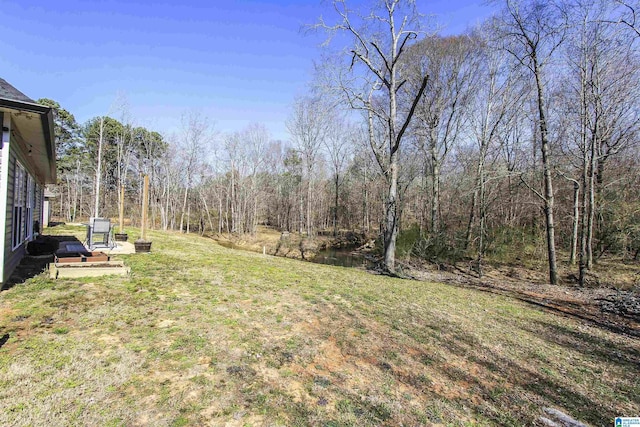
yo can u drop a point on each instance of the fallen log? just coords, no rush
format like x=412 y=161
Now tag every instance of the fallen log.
x=561 y=418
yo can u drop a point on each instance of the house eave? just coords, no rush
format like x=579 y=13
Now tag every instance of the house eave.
x=46 y=121
x=31 y=107
x=48 y=128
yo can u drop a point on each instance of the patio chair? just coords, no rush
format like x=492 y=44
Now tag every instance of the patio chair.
x=100 y=227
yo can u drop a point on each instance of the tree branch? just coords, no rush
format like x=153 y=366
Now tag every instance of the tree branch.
x=526 y=184
x=412 y=110
x=410 y=36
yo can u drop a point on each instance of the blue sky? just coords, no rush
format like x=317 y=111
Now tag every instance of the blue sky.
x=236 y=62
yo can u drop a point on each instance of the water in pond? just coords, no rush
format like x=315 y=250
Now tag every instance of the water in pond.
x=341 y=258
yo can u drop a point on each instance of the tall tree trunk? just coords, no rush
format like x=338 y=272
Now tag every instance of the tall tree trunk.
x=365 y=204
x=435 y=181
x=335 y=205
x=591 y=207
x=188 y=218
x=81 y=199
x=472 y=213
x=384 y=68
x=476 y=190
x=576 y=220
x=254 y=220
x=77 y=192
x=301 y=211
x=234 y=210
x=166 y=203
x=206 y=209
x=583 y=264
x=228 y=206
x=483 y=216
x=121 y=210
x=220 y=220
x=96 y=208
x=435 y=197
x=184 y=208
x=309 y=218
x=391 y=225
x=548 y=182
x=593 y=172
x=68 y=199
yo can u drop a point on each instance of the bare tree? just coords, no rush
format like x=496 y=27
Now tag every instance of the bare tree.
x=196 y=136
x=257 y=138
x=496 y=96
x=235 y=153
x=533 y=31
x=96 y=208
x=307 y=126
x=124 y=155
x=625 y=14
x=373 y=83
x=441 y=113
x=600 y=99
x=338 y=144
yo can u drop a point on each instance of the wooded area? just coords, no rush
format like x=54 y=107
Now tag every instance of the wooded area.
x=521 y=132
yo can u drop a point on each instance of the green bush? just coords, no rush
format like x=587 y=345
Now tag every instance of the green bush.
x=437 y=248
x=509 y=244
x=406 y=241
x=617 y=230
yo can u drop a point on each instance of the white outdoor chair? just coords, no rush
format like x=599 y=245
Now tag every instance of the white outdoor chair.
x=100 y=227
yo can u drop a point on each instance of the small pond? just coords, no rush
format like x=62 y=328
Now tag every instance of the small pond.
x=341 y=257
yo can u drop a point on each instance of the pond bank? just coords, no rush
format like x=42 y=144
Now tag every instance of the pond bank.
x=348 y=249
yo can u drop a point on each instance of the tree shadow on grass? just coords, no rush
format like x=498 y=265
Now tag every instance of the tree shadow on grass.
x=604 y=349
x=4 y=339
x=552 y=391
x=508 y=389
x=511 y=391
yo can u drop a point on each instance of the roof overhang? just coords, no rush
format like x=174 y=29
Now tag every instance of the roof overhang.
x=34 y=129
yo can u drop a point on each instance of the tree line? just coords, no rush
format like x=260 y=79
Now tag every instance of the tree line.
x=522 y=132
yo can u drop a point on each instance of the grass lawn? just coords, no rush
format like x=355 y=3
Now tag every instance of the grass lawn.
x=203 y=335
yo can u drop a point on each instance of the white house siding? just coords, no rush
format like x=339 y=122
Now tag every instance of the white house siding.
x=5 y=121
x=38 y=208
x=12 y=257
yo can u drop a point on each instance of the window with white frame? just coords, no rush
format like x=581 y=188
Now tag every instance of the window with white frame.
x=29 y=205
x=19 y=202
x=37 y=201
x=23 y=204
